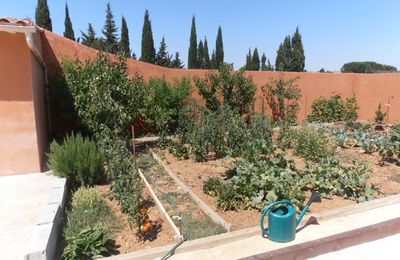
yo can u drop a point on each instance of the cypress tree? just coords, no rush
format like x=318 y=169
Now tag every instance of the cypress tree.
x=255 y=60
x=264 y=62
x=207 y=62
x=213 y=60
x=200 y=55
x=109 y=31
x=269 y=66
x=284 y=57
x=124 y=43
x=162 y=57
x=249 y=65
x=69 y=31
x=219 y=49
x=177 y=62
x=148 y=51
x=42 y=15
x=192 y=55
x=298 y=58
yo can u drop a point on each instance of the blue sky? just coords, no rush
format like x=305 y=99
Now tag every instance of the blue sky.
x=334 y=32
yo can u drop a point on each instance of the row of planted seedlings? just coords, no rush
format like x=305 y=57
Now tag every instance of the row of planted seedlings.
x=191 y=220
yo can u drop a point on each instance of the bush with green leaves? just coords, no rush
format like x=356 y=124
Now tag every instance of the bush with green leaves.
x=309 y=142
x=330 y=178
x=104 y=94
x=178 y=150
x=78 y=159
x=89 y=210
x=212 y=186
x=125 y=178
x=163 y=103
x=90 y=243
x=108 y=101
x=389 y=148
x=227 y=88
x=333 y=109
x=282 y=97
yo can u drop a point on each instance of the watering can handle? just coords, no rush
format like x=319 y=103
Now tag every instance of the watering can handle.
x=265 y=212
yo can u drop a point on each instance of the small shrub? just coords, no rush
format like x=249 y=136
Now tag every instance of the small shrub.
x=379 y=115
x=88 y=244
x=88 y=210
x=178 y=150
x=333 y=109
x=282 y=97
x=77 y=159
x=212 y=186
x=312 y=144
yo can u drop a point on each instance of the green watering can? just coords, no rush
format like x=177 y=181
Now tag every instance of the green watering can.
x=282 y=220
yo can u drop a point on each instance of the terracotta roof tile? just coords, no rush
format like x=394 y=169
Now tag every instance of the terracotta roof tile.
x=7 y=20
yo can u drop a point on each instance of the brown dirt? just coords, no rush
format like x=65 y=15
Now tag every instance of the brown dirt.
x=127 y=239
x=386 y=178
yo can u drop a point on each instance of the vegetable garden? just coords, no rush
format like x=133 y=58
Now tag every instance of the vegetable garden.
x=235 y=160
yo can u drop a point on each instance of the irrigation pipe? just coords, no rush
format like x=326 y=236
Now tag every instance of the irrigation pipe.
x=160 y=206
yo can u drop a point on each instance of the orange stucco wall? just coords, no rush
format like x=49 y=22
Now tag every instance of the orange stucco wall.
x=370 y=89
x=19 y=80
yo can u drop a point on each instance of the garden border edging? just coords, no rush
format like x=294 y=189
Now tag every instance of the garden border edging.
x=47 y=230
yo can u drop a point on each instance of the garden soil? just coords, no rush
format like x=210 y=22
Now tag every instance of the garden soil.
x=194 y=174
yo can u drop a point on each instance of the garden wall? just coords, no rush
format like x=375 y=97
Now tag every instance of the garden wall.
x=23 y=137
x=370 y=89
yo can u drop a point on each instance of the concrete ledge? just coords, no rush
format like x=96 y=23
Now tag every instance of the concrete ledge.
x=333 y=242
x=43 y=243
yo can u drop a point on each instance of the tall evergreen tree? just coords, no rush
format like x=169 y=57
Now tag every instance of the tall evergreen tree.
x=207 y=62
x=269 y=66
x=298 y=58
x=69 y=31
x=213 y=60
x=148 y=51
x=177 y=62
x=124 y=43
x=193 y=54
x=200 y=56
x=264 y=62
x=110 y=40
x=249 y=64
x=42 y=15
x=219 y=49
x=162 y=57
x=284 y=56
x=255 y=60
x=89 y=38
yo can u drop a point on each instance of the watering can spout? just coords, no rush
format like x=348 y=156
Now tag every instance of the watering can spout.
x=315 y=197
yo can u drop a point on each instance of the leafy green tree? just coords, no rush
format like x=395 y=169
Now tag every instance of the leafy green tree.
x=162 y=57
x=298 y=58
x=367 y=67
x=124 y=43
x=69 y=31
x=219 y=49
x=42 y=15
x=255 y=60
x=200 y=56
x=193 y=54
x=177 y=62
x=207 y=62
x=110 y=40
x=263 y=62
x=89 y=38
x=148 y=51
x=249 y=64
x=227 y=87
